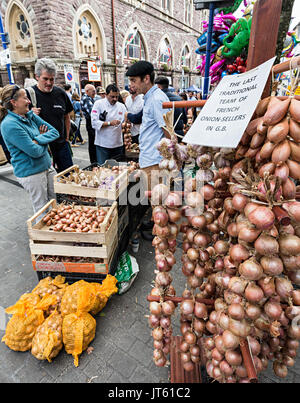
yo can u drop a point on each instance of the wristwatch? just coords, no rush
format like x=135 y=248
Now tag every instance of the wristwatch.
x=108 y=123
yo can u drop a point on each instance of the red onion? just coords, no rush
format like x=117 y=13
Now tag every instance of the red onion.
x=266 y=245
x=239 y=201
x=230 y=341
x=251 y=270
x=238 y=253
x=272 y=266
x=289 y=245
x=284 y=287
x=273 y=310
x=262 y=217
x=254 y=293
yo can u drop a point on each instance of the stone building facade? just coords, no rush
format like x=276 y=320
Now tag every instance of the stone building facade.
x=113 y=33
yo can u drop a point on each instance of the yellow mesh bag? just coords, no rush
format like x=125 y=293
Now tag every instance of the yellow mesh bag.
x=108 y=286
x=25 y=320
x=47 y=341
x=79 y=296
x=49 y=285
x=56 y=286
x=78 y=332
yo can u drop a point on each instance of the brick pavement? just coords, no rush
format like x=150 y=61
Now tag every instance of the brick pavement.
x=123 y=344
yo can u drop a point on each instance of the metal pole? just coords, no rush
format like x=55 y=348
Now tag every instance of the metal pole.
x=4 y=44
x=208 y=49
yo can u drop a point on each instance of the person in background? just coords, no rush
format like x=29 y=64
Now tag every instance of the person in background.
x=68 y=89
x=179 y=113
x=78 y=117
x=107 y=117
x=124 y=94
x=100 y=93
x=199 y=98
x=134 y=104
x=52 y=104
x=27 y=137
x=87 y=104
x=141 y=77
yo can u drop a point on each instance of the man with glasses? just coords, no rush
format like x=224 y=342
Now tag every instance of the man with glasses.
x=53 y=105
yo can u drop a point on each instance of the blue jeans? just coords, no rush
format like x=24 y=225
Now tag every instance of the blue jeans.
x=104 y=154
x=62 y=156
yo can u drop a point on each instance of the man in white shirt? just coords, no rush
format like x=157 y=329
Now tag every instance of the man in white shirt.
x=107 y=117
x=134 y=104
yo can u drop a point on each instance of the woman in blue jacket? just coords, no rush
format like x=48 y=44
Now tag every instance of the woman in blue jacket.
x=27 y=137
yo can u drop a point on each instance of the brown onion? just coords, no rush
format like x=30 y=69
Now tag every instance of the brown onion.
x=254 y=293
x=230 y=341
x=272 y=265
x=239 y=328
x=233 y=358
x=251 y=270
x=239 y=202
x=262 y=217
x=200 y=310
x=267 y=284
x=157 y=334
x=253 y=311
x=237 y=285
x=289 y=189
x=266 y=245
x=280 y=369
x=187 y=307
x=289 y=245
x=248 y=234
x=238 y=253
x=273 y=310
x=236 y=311
x=284 y=287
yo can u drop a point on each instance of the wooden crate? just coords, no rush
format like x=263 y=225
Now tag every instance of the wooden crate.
x=117 y=187
x=102 y=268
x=95 y=245
x=41 y=232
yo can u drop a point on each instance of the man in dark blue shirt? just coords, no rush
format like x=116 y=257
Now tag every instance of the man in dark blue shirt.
x=179 y=113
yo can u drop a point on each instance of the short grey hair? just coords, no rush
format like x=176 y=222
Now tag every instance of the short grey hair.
x=45 y=64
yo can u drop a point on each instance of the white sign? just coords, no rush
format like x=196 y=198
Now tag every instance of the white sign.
x=69 y=73
x=94 y=71
x=226 y=114
x=5 y=57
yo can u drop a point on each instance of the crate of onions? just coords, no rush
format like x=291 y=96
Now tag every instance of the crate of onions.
x=74 y=231
x=101 y=182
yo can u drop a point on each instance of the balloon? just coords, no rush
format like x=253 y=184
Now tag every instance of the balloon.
x=238 y=38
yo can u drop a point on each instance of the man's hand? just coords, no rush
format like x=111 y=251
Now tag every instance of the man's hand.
x=43 y=129
x=115 y=122
x=36 y=111
x=35 y=142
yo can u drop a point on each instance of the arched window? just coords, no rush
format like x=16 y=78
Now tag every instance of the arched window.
x=88 y=36
x=165 y=53
x=134 y=46
x=188 y=9
x=186 y=57
x=21 y=33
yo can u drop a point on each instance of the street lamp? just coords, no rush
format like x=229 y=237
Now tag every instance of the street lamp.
x=211 y=5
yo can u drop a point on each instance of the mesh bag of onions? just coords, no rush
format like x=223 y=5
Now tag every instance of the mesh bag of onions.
x=28 y=315
x=47 y=341
x=78 y=331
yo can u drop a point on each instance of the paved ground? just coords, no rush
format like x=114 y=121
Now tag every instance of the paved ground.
x=123 y=343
